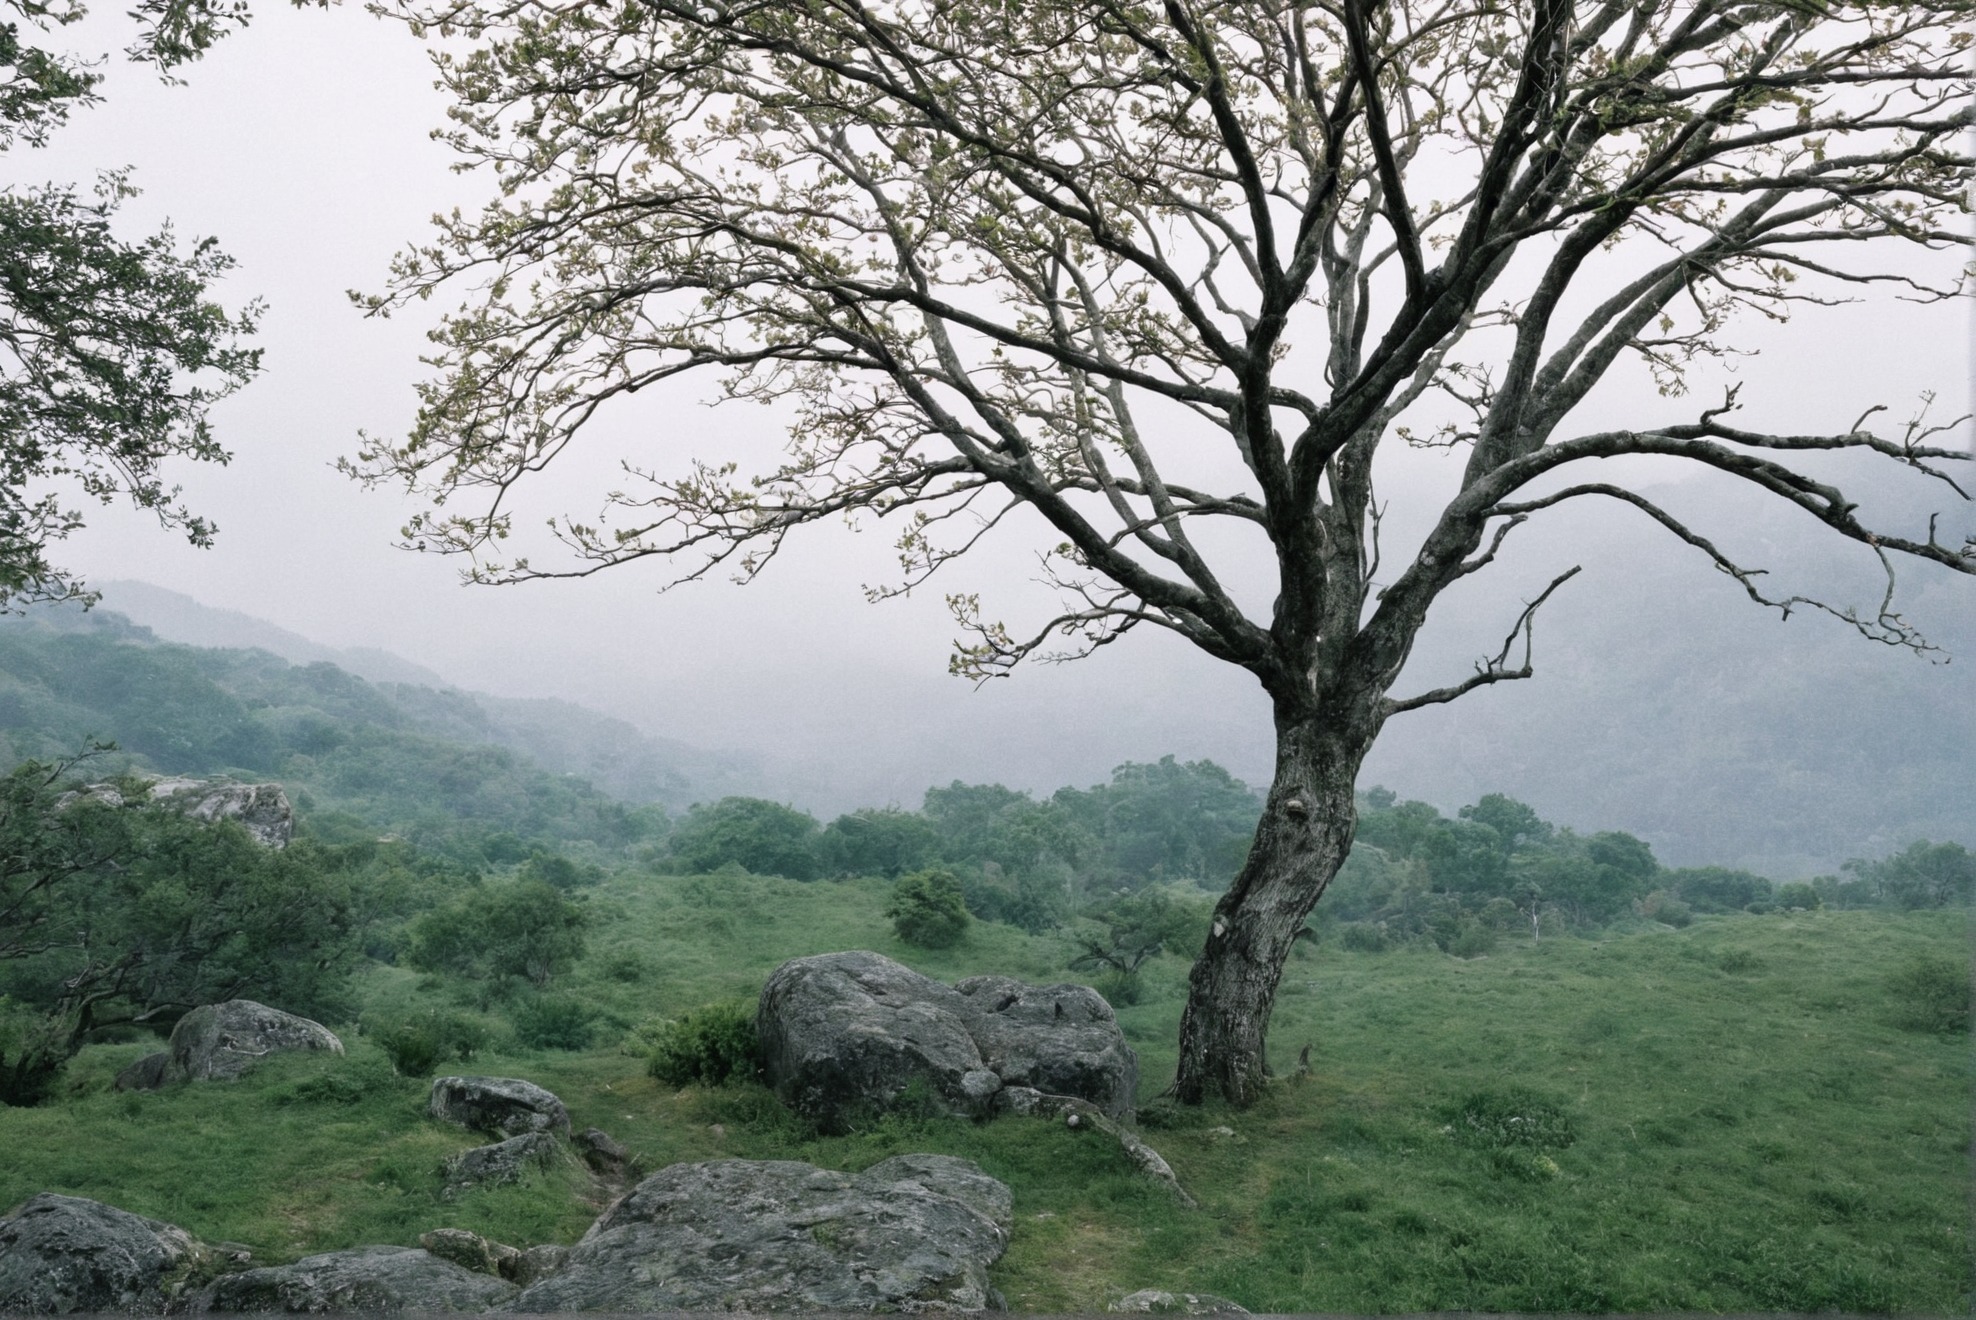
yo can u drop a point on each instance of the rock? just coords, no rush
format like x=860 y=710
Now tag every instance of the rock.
x=602 y=1152
x=260 y=809
x=1152 y=1301
x=1059 y=1039
x=222 y=1041
x=912 y=1233
x=147 y=1074
x=468 y=1250
x=507 y=1105
x=360 y=1279
x=62 y=1253
x=502 y=1162
x=845 y=1034
x=534 y=1264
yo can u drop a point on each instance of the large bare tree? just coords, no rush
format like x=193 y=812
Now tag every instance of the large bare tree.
x=1002 y=255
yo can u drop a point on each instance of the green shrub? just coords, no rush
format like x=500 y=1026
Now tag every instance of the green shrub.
x=1932 y=994
x=1664 y=906
x=554 y=1022
x=1514 y=1116
x=709 y=1045
x=1473 y=940
x=927 y=908
x=1364 y=937
x=417 y=1045
x=1798 y=896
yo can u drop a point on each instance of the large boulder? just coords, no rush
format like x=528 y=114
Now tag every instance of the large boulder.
x=222 y=1041
x=845 y=1034
x=360 y=1279
x=1058 y=1039
x=508 y=1106
x=60 y=1254
x=912 y=1233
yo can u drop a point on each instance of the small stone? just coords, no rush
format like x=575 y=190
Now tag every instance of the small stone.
x=1156 y=1301
x=467 y=1250
x=602 y=1152
x=536 y=1263
x=1071 y=1120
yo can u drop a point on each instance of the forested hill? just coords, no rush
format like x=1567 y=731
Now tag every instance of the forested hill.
x=433 y=764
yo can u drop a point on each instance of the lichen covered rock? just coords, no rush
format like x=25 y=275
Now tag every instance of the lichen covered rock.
x=912 y=1233
x=61 y=1254
x=846 y=1034
x=360 y=1279
x=508 y=1106
x=219 y=1042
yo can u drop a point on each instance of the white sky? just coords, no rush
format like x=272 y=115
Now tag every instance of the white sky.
x=302 y=144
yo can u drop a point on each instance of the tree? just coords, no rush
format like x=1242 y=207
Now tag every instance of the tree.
x=927 y=909
x=111 y=352
x=765 y=837
x=1010 y=265
x=522 y=931
x=113 y=915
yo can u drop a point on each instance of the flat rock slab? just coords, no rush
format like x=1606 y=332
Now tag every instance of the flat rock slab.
x=845 y=1034
x=1155 y=1301
x=60 y=1254
x=361 y=1279
x=508 y=1106
x=219 y=1042
x=912 y=1233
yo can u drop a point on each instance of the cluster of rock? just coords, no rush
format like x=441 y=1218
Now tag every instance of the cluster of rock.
x=914 y=1233
x=262 y=810
x=844 y=1036
x=219 y=1042
x=847 y=1034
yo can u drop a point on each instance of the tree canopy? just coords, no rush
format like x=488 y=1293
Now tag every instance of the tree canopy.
x=1169 y=279
x=112 y=352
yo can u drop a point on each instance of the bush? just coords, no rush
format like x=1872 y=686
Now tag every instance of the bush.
x=1364 y=937
x=554 y=1022
x=524 y=931
x=1663 y=906
x=1932 y=994
x=927 y=908
x=764 y=837
x=1473 y=941
x=1798 y=896
x=708 y=1045
x=417 y=1045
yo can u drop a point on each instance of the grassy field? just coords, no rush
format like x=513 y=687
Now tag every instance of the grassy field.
x=1722 y=1118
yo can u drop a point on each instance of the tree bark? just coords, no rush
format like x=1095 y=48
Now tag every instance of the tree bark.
x=1303 y=838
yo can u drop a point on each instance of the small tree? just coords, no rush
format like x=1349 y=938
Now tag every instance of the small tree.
x=523 y=931
x=928 y=909
x=766 y=837
x=1019 y=265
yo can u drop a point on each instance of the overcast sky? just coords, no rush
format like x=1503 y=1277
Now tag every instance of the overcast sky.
x=302 y=144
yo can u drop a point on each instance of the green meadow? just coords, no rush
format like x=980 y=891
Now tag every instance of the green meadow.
x=1739 y=1115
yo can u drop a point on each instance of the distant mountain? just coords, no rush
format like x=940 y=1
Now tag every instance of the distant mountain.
x=562 y=737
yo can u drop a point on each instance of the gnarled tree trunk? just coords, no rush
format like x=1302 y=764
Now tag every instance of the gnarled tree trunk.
x=1303 y=838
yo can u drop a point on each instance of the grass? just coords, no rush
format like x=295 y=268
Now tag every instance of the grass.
x=1737 y=1116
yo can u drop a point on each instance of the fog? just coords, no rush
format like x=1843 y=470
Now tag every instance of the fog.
x=302 y=144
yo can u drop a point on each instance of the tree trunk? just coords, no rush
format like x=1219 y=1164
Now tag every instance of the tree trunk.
x=1301 y=841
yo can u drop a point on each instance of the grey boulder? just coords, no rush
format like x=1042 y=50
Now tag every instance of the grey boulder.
x=505 y=1105
x=219 y=1042
x=361 y=1279
x=846 y=1034
x=912 y=1233
x=503 y=1162
x=147 y=1074
x=60 y=1254
x=468 y=1250
x=1058 y=1039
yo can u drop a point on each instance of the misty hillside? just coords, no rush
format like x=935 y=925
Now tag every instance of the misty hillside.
x=560 y=736
x=358 y=757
